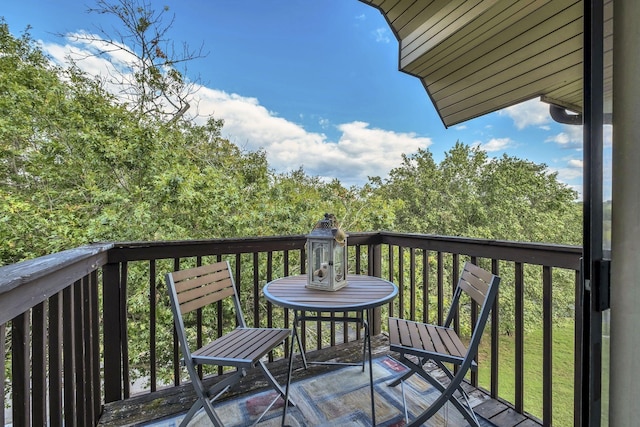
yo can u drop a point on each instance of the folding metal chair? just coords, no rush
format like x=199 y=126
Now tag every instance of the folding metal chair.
x=242 y=348
x=441 y=344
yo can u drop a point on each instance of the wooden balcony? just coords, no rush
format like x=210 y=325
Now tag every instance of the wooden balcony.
x=72 y=323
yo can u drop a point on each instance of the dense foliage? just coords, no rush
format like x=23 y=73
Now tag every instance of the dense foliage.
x=470 y=194
x=76 y=166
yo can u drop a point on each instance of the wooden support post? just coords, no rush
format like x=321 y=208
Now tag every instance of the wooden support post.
x=112 y=345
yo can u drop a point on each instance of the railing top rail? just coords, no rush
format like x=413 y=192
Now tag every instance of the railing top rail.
x=27 y=283
x=137 y=251
x=14 y=275
x=561 y=256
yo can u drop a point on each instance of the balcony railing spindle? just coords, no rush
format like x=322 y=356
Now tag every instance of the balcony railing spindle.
x=152 y=325
x=440 y=288
x=547 y=343
x=20 y=402
x=519 y=337
x=55 y=360
x=474 y=318
x=495 y=335
x=68 y=356
x=425 y=286
x=3 y=337
x=412 y=283
x=38 y=364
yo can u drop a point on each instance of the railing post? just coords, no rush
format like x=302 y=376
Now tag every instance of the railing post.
x=39 y=364
x=112 y=344
x=3 y=335
x=69 y=356
x=20 y=370
x=376 y=260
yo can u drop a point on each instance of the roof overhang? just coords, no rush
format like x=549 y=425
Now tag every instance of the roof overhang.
x=476 y=57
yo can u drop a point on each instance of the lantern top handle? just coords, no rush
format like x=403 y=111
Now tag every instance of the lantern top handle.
x=324 y=226
x=329 y=228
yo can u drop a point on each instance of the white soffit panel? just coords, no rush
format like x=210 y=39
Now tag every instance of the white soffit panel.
x=478 y=56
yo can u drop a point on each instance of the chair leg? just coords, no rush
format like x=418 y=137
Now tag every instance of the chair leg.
x=367 y=341
x=267 y=374
x=296 y=322
x=294 y=338
x=401 y=378
x=463 y=393
x=445 y=396
x=266 y=410
x=197 y=406
x=206 y=397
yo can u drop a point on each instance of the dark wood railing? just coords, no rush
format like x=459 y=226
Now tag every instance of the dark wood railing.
x=50 y=316
x=68 y=320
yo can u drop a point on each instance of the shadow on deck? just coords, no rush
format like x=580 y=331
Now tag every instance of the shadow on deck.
x=171 y=401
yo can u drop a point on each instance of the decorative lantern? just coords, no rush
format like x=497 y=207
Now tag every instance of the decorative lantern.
x=327 y=255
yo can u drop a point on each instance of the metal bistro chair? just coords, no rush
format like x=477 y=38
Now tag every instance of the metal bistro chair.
x=242 y=348
x=441 y=344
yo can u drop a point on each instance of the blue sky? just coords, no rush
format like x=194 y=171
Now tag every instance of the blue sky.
x=315 y=84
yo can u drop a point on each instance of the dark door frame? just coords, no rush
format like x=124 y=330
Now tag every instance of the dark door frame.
x=595 y=268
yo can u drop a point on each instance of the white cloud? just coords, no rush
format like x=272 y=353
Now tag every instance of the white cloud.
x=528 y=113
x=567 y=174
x=575 y=163
x=113 y=65
x=570 y=172
x=359 y=152
x=607 y=135
x=382 y=35
x=495 y=144
x=570 y=137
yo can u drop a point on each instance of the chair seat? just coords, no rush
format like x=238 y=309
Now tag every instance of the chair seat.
x=241 y=347
x=420 y=339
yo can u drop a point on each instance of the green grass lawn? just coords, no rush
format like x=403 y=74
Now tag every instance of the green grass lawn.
x=562 y=366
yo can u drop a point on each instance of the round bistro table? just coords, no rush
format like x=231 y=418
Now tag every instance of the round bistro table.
x=360 y=296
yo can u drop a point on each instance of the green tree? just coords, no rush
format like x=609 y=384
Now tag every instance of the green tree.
x=468 y=194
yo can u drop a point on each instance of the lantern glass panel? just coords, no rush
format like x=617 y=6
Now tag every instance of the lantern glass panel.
x=320 y=257
x=339 y=263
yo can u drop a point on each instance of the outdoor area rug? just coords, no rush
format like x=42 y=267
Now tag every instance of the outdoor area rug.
x=340 y=398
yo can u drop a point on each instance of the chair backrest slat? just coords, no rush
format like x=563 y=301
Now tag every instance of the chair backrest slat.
x=221 y=278
x=486 y=284
x=188 y=306
x=197 y=287
x=197 y=271
x=474 y=287
x=478 y=284
x=481 y=273
x=206 y=287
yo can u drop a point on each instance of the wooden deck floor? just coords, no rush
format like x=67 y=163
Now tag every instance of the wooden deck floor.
x=175 y=400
